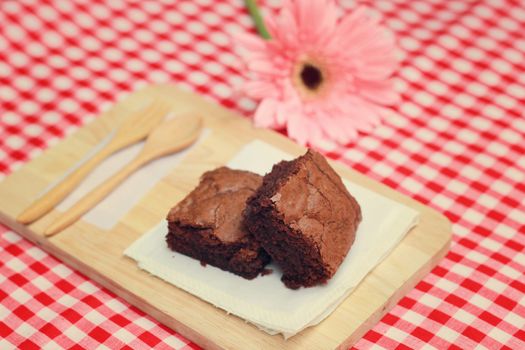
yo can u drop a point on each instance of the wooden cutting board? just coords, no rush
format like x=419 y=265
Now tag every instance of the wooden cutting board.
x=98 y=253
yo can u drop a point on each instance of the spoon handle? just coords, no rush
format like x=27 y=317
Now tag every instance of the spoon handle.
x=56 y=194
x=94 y=197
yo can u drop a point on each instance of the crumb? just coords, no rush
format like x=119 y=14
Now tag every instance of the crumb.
x=266 y=272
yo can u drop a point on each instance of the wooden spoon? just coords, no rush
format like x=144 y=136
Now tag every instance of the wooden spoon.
x=167 y=138
x=132 y=128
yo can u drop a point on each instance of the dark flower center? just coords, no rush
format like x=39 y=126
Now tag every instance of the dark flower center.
x=311 y=76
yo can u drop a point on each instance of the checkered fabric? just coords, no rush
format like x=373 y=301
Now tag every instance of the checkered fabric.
x=455 y=143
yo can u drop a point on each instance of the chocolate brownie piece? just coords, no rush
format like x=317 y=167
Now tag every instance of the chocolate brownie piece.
x=207 y=224
x=304 y=217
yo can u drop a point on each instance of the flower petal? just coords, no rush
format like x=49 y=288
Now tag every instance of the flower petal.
x=250 y=42
x=265 y=114
x=333 y=127
x=328 y=21
x=315 y=134
x=264 y=67
x=306 y=16
x=260 y=89
x=352 y=25
x=297 y=129
x=284 y=109
x=349 y=127
x=374 y=73
x=359 y=113
x=381 y=92
x=361 y=35
x=284 y=30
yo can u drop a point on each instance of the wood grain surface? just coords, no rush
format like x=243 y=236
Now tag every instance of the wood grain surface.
x=98 y=253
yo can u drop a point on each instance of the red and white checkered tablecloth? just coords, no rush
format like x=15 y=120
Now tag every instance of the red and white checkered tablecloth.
x=456 y=143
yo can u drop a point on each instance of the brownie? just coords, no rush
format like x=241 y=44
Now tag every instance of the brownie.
x=207 y=225
x=304 y=217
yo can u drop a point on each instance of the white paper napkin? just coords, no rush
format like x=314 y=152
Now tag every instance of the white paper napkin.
x=265 y=301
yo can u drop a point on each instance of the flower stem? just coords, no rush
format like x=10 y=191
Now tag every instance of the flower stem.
x=256 y=16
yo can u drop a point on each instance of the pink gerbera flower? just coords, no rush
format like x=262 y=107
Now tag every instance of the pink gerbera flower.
x=321 y=78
